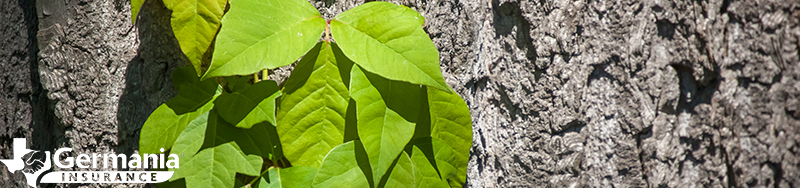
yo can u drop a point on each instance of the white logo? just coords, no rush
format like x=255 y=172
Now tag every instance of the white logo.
x=33 y=163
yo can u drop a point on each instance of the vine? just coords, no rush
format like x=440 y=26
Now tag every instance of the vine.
x=369 y=110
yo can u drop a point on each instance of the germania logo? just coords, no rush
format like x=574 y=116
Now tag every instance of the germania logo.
x=34 y=163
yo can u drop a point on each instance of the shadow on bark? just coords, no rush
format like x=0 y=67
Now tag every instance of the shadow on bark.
x=148 y=80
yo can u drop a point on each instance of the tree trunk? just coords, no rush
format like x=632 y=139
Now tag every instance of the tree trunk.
x=562 y=93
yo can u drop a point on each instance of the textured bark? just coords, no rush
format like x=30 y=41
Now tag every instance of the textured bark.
x=562 y=93
x=20 y=97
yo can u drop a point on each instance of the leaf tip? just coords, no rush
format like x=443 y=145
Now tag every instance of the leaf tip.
x=136 y=5
x=441 y=86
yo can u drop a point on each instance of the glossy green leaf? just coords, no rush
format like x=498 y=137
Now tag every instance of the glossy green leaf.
x=451 y=122
x=192 y=92
x=386 y=111
x=168 y=120
x=220 y=157
x=261 y=139
x=388 y=40
x=208 y=131
x=248 y=105
x=426 y=174
x=351 y=122
x=264 y=34
x=190 y=141
x=403 y=173
x=299 y=176
x=311 y=119
x=341 y=168
x=136 y=5
x=217 y=166
x=237 y=83
x=434 y=161
x=195 y=23
x=262 y=183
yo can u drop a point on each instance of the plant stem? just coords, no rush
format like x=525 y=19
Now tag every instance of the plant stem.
x=264 y=74
x=259 y=176
x=328 y=31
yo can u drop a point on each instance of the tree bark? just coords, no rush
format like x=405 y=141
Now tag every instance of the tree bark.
x=562 y=93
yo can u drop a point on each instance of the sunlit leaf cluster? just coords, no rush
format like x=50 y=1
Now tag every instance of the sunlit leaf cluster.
x=371 y=109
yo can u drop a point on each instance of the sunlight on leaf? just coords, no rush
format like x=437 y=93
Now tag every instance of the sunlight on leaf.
x=168 y=120
x=388 y=40
x=314 y=104
x=195 y=23
x=264 y=34
x=387 y=112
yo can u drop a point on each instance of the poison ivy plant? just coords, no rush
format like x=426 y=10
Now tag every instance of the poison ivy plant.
x=448 y=114
x=247 y=105
x=315 y=104
x=425 y=173
x=403 y=173
x=369 y=110
x=300 y=176
x=194 y=23
x=388 y=40
x=344 y=165
x=435 y=160
x=168 y=120
x=386 y=113
x=264 y=34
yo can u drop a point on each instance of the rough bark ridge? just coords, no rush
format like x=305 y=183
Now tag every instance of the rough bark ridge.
x=563 y=93
x=635 y=94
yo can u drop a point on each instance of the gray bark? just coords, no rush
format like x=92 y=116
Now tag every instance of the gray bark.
x=562 y=93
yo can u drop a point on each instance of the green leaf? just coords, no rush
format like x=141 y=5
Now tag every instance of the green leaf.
x=314 y=104
x=238 y=183
x=388 y=40
x=299 y=176
x=172 y=184
x=192 y=92
x=387 y=112
x=341 y=167
x=247 y=105
x=208 y=131
x=264 y=34
x=426 y=173
x=351 y=122
x=195 y=23
x=234 y=83
x=262 y=183
x=136 y=5
x=403 y=173
x=261 y=139
x=435 y=160
x=451 y=122
x=189 y=142
x=217 y=166
x=168 y=120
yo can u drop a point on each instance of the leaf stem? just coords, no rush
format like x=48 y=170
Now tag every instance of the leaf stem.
x=264 y=74
x=328 y=31
x=259 y=176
